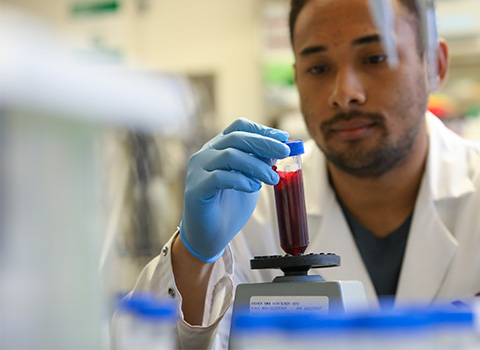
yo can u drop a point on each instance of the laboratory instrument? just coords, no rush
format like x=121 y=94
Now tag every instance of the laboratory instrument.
x=429 y=38
x=143 y=321
x=412 y=327
x=296 y=291
x=383 y=16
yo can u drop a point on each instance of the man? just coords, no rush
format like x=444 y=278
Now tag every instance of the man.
x=392 y=191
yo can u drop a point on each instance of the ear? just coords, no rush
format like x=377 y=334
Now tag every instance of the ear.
x=442 y=62
x=295 y=73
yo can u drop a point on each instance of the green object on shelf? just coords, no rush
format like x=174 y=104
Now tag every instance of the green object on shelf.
x=279 y=74
x=474 y=111
x=94 y=8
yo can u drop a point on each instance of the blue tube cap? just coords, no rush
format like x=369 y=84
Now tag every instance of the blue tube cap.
x=296 y=147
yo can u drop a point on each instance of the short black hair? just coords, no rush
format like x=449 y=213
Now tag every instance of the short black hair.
x=410 y=5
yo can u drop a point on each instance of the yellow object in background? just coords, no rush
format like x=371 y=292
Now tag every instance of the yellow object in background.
x=442 y=106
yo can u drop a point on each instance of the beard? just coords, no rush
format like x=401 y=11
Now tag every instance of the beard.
x=361 y=161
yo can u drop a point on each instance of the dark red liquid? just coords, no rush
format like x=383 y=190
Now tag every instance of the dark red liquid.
x=291 y=212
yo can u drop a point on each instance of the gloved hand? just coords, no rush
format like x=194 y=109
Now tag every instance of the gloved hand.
x=223 y=181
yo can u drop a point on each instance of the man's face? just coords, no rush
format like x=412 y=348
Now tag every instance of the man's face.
x=364 y=115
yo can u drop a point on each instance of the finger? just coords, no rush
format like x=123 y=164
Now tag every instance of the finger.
x=243 y=124
x=233 y=159
x=258 y=145
x=223 y=180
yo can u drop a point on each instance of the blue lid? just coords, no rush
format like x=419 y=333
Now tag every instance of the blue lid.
x=405 y=320
x=157 y=311
x=296 y=147
x=147 y=305
x=134 y=301
x=287 y=321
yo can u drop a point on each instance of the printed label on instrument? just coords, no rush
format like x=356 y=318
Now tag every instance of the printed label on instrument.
x=289 y=303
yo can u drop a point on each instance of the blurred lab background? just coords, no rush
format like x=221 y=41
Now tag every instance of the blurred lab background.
x=102 y=102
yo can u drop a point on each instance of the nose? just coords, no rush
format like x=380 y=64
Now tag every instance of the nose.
x=348 y=91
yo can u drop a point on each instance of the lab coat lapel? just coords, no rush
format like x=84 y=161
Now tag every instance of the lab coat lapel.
x=431 y=247
x=429 y=253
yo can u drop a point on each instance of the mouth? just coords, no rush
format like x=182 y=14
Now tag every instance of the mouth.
x=352 y=129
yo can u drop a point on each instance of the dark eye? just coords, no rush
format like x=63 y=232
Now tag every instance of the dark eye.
x=318 y=70
x=376 y=59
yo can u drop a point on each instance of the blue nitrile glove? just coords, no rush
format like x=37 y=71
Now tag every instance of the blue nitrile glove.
x=223 y=181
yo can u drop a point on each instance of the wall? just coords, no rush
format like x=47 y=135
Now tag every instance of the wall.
x=210 y=36
x=218 y=37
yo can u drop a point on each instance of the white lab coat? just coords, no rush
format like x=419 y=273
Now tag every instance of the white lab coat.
x=442 y=256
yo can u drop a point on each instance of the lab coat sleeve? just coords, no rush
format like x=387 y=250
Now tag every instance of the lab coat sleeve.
x=157 y=277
